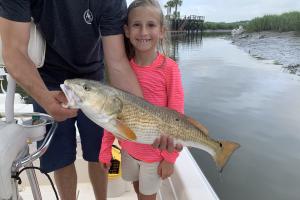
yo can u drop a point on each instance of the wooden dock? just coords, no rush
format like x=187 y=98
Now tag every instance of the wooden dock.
x=177 y=33
x=186 y=25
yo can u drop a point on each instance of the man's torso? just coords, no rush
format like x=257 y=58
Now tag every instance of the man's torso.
x=72 y=29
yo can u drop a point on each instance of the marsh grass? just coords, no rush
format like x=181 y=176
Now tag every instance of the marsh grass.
x=289 y=21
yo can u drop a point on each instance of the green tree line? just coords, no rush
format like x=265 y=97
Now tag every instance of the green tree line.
x=223 y=25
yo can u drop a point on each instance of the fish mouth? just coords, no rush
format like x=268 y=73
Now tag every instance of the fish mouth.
x=73 y=100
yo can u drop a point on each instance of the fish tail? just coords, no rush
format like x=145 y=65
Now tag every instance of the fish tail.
x=223 y=155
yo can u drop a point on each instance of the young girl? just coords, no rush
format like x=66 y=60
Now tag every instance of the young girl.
x=160 y=80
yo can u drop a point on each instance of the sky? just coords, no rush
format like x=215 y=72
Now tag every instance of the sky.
x=234 y=10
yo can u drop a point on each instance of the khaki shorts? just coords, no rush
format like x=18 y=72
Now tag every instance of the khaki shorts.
x=146 y=173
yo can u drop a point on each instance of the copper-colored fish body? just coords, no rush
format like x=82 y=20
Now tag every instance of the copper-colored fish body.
x=132 y=118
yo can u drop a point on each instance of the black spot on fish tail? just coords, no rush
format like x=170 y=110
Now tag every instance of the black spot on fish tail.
x=221 y=145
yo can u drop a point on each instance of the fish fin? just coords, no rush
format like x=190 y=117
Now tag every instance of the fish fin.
x=198 y=125
x=119 y=136
x=223 y=155
x=124 y=129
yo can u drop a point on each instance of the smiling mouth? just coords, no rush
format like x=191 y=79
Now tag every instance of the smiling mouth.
x=143 y=40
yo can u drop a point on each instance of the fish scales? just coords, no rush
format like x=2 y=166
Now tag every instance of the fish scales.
x=159 y=119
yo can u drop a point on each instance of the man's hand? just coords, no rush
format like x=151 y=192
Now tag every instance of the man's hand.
x=165 y=169
x=54 y=106
x=166 y=143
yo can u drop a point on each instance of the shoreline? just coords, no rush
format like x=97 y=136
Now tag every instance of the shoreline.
x=283 y=48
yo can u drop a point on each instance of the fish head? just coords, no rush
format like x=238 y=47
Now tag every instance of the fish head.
x=91 y=97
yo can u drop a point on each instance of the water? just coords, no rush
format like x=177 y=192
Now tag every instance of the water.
x=249 y=101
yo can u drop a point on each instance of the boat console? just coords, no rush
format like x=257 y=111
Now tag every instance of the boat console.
x=19 y=130
x=15 y=138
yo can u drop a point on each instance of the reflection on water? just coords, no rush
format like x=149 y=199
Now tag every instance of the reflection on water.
x=249 y=101
x=186 y=40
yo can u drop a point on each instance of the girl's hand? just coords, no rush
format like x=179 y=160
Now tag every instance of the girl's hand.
x=106 y=166
x=165 y=142
x=165 y=169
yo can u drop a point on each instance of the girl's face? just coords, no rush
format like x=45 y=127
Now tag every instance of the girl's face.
x=144 y=29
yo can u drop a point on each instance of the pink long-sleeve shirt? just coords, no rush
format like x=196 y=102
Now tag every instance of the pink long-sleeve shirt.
x=161 y=85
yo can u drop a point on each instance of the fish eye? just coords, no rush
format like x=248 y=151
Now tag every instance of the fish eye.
x=177 y=119
x=86 y=87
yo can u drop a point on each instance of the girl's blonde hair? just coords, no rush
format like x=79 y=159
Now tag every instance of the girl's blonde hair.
x=145 y=3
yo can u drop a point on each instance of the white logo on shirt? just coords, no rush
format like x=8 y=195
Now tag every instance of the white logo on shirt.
x=88 y=16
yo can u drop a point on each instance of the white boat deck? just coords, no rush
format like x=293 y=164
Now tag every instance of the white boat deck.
x=117 y=188
x=84 y=192
x=184 y=184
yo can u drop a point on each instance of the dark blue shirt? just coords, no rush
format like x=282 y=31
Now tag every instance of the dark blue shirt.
x=72 y=29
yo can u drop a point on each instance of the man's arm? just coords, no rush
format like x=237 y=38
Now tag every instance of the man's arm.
x=15 y=39
x=119 y=70
x=122 y=76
